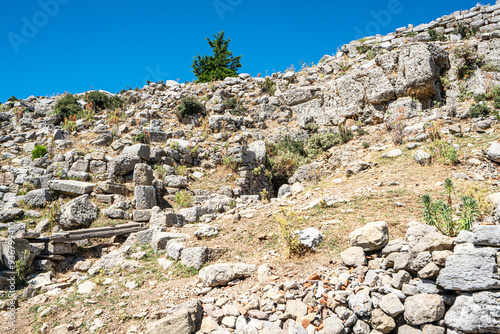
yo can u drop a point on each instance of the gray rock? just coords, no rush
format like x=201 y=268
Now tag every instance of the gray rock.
x=361 y=303
x=332 y=325
x=191 y=215
x=159 y=240
x=361 y=327
x=143 y=175
x=175 y=181
x=487 y=235
x=406 y=329
x=310 y=237
x=141 y=215
x=391 y=304
x=37 y=197
x=283 y=190
x=221 y=274
x=424 y=308
x=123 y=164
x=353 y=257
x=115 y=213
x=174 y=250
x=145 y=197
x=296 y=308
x=258 y=148
x=194 y=257
x=372 y=236
x=475 y=313
x=400 y=278
x=182 y=319
x=140 y=150
x=393 y=153
x=78 y=213
x=470 y=268
x=422 y=157
x=10 y=214
x=71 y=187
x=493 y=152
x=381 y=321
x=207 y=231
x=109 y=187
x=423 y=237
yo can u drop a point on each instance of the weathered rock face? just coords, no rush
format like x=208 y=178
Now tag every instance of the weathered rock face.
x=143 y=175
x=475 y=313
x=71 y=187
x=422 y=237
x=78 y=213
x=470 y=268
x=182 y=319
x=145 y=197
x=494 y=152
x=372 y=236
x=220 y=274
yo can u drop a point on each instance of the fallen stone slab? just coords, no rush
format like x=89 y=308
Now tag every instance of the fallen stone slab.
x=71 y=187
x=182 y=319
x=10 y=214
x=487 y=235
x=223 y=273
x=109 y=187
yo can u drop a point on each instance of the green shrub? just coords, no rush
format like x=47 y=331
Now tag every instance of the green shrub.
x=67 y=106
x=480 y=97
x=285 y=157
x=235 y=106
x=362 y=48
x=411 y=34
x=319 y=142
x=268 y=86
x=97 y=100
x=312 y=127
x=490 y=68
x=496 y=102
x=143 y=137
x=435 y=36
x=440 y=214
x=183 y=199
x=38 y=152
x=231 y=163
x=479 y=110
x=189 y=106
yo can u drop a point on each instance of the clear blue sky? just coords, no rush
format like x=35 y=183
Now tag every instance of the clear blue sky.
x=53 y=46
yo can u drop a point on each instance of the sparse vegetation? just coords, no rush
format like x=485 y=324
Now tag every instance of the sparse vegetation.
x=435 y=36
x=189 y=106
x=293 y=247
x=465 y=31
x=183 y=199
x=38 y=152
x=235 y=106
x=267 y=86
x=470 y=61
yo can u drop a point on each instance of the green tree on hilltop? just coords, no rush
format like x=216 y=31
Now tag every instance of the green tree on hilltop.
x=220 y=65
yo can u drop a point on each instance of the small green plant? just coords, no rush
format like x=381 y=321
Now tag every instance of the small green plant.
x=435 y=36
x=183 y=199
x=38 y=152
x=53 y=213
x=69 y=125
x=231 y=163
x=463 y=94
x=292 y=243
x=264 y=195
x=440 y=214
x=189 y=106
x=257 y=170
x=345 y=134
x=445 y=151
x=371 y=54
x=161 y=172
x=181 y=170
x=365 y=144
x=67 y=106
x=143 y=137
x=22 y=267
x=411 y=34
x=362 y=49
x=490 y=68
x=311 y=127
x=267 y=86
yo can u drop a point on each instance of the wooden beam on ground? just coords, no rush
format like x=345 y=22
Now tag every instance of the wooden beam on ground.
x=101 y=232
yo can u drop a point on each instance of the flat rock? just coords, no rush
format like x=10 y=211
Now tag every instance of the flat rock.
x=223 y=273
x=470 y=268
x=487 y=235
x=71 y=187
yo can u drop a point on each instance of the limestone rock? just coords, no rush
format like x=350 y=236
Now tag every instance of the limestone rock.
x=182 y=319
x=221 y=274
x=372 y=236
x=78 y=213
x=353 y=256
x=424 y=308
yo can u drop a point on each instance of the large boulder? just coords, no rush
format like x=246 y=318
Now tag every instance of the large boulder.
x=372 y=236
x=182 y=319
x=424 y=308
x=493 y=152
x=223 y=273
x=470 y=268
x=475 y=313
x=78 y=213
x=123 y=164
x=37 y=197
x=423 y=237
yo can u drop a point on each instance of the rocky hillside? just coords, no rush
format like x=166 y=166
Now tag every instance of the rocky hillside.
x=295 y=203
